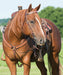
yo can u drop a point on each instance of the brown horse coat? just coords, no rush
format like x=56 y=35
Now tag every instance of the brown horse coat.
x=54 y=49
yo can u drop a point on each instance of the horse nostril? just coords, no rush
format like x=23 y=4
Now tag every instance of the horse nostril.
x=41 y=41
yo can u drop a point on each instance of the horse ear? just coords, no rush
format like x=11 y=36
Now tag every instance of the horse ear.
x=37 y=8
x=30 y=8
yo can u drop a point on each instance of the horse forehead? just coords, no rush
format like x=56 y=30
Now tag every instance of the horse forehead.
x=32 y=16
x=32 y=12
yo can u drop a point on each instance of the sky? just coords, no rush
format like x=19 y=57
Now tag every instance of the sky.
x=7 y=7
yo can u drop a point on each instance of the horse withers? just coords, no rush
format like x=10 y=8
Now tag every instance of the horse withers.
x=25 y=24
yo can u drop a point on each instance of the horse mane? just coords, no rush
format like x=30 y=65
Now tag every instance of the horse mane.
x=16 y=23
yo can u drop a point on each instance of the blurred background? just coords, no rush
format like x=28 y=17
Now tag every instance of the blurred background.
x=50 y=9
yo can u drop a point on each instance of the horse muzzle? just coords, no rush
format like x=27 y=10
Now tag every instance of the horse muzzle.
x=40 y=59
x=40 y=42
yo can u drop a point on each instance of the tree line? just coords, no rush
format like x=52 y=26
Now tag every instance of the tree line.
x=55 y=15
x=3 y=22
x=51 y=13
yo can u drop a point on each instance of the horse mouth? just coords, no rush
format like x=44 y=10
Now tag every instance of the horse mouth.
x=40 y=44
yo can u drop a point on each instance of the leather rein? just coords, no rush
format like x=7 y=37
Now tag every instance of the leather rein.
x=14 y=47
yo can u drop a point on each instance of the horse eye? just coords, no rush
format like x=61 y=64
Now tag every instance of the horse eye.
x=32 y=22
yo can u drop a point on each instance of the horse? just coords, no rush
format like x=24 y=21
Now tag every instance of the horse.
x=51 y=46
x=22 y=34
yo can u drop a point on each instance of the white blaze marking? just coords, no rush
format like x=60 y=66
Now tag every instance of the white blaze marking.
x=40 y=28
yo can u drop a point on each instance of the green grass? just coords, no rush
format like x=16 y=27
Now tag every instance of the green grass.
x=4 y=70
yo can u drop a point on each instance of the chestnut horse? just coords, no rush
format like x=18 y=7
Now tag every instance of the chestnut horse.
x=53 y=47
x=26 y=24
x=16 y=44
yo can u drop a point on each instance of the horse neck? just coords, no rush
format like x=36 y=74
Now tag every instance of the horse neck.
x=14 y=29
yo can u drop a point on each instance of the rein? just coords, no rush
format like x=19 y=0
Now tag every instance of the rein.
x=14 y=47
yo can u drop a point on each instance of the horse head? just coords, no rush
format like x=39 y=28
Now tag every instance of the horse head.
x=32 y=26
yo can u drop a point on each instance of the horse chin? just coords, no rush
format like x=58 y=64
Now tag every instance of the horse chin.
x=38 y=44
x=40 y=59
